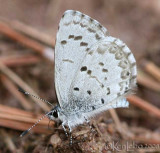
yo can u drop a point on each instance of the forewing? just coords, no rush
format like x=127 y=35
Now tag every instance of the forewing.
x=77 y=33
x=106 y=75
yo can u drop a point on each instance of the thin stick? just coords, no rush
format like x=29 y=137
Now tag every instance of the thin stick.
x=11 y=33
x=148 y=81
x=19 y=60
x=13 y=89
x=19 y=112
x=19 y=119
x=22 y=118
x=144 y=105
x=145 y=140
x=115 y=117
x=23 y=85
x=8 y=140
x=22 y=126
x=152 y=69
x=30 y=31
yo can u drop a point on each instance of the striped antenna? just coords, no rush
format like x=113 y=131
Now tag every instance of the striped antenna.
x=25 y=132
x=27 y=93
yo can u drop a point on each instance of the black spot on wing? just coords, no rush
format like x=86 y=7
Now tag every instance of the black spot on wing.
x=89 y=92
x=63 y=42
x=108 y=91
x=93 y=108
x=78 y=38
x=83 y=44
x=84 y=68
x=89 y=72
x=97 y=37
x=71 y=36
x=102 y=100
x=91 y=30
x=104 y=70
x=101 y=63
x=87 y=49
x=76 y=89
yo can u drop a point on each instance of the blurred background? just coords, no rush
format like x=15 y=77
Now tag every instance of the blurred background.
x=27 y=38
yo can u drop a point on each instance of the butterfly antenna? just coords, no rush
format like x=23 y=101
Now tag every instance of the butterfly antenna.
x=27 y=93
x=25 y=132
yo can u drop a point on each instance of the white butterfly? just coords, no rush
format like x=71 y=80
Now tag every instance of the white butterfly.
x=93 y=71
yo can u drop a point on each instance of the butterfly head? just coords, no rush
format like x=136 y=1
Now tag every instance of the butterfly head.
x=54 y=113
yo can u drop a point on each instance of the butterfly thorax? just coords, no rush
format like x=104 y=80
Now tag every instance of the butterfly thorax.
x=67 y=116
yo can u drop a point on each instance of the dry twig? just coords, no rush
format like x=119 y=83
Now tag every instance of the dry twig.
x=144 y=105
x=13 y=89
x=30 y=31
x=42 y=50
x=21 y=120
x=8 y=141
x=15 y=78
x=148 y=82
x=19 y=60
x=152 y=69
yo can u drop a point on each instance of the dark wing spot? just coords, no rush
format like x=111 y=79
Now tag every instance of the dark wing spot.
x=82 y=25
x=63 y=15
x=83 y=44
x=126 y=90
x=128 y=54
x=74 y=13
x=102 y=100
x=124 y=74
x=87 y=49
x=93 y=108
x=108 y=89
x=67 y=60
x=118 y=94
x=100 y=26
x=76 y=22
x=78 y=38
x=133 y=64
x=91 y=30
x=84 y=68
x=89 y=72
x=63 y=42
x=134 y=77
x=71 y=36
x=105 y=78
x=76 y=89
x=82 y=16
x=91 y=20
x=90 y=53
x=101 y=64
x=118 y=55
x=89 y=92
x=104 y=70
x=97 y=37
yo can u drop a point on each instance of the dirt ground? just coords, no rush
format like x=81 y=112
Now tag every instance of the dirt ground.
x=136 y=22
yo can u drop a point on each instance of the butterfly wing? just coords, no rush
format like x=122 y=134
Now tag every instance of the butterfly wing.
x=77 y=33
x=107 y=74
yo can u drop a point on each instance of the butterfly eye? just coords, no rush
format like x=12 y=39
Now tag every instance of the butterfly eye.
x=55 y=114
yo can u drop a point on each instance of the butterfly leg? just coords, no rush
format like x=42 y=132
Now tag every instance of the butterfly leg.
x=87 y=121
x=70 y=132
x=64 y=129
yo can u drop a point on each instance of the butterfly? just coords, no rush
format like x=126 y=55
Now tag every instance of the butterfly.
x=94 y=71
